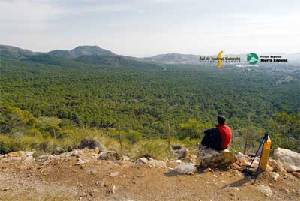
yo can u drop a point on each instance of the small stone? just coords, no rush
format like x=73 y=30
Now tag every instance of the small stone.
x=102 y=184
x=235 y=188
x=142 y=161
x=114 y=174
x=157 y=163
x=111 y=189
x=235 y=166
x=266 y=190
x=275 y=176
x=76 y=153
x=237 y=173
x=5 y=189
x=92 y=172
x=80 y=162
x=125 y=158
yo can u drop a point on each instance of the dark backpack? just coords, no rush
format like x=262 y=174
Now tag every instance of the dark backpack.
x=212 y=139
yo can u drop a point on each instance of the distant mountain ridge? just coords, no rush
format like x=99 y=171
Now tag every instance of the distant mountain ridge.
x=98 y=55
x=82 y=51
x=14 y=52
x=93 y=55
x=11 y=51
x=174 y=58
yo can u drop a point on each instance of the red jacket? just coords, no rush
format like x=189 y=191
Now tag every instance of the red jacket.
x=225 y=134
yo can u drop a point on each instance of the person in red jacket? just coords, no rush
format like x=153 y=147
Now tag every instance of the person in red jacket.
x=224 y=131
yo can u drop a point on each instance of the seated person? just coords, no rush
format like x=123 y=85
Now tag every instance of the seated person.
x=217 y=138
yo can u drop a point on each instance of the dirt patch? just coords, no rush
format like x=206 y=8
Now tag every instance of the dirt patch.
x=65 y=179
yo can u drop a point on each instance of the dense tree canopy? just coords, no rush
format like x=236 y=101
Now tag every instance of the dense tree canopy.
x=147 y=100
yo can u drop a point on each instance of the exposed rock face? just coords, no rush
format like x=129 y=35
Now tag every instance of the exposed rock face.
x=91 y=144
x=289 y=159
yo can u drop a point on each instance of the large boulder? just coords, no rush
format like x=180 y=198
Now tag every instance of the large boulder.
x=185 y=168
x=212 y=158
x=289 y=159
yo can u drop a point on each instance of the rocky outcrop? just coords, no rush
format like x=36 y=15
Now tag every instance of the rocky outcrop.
x=289 y=159
x=213 y=158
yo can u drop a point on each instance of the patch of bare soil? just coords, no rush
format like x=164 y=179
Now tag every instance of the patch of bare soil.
x=73 y=178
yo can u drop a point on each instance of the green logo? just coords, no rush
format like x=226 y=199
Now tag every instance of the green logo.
x=252 y=58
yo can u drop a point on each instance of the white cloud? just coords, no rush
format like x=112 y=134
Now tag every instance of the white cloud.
x=26 y=11
x=146 y=27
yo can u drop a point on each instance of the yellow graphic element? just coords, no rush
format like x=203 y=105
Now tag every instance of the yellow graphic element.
x=220 y=59
x=265 y=155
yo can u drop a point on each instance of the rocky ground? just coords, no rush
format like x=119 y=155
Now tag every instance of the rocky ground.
x=80 y=175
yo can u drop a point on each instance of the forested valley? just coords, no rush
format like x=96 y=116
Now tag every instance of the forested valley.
x=50 y=103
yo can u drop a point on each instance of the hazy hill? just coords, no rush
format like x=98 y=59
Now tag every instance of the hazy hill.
x=99 y=56
x=77 y=57
x=177 y=58
x=82 y=51
x=174 y=58
x=14 y=52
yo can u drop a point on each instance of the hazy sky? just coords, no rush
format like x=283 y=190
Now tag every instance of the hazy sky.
x=149 y=27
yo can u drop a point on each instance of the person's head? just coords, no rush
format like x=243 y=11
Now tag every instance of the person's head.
x=221 y=119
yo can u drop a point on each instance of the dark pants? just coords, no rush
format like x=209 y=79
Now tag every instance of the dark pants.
x=212 y=139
